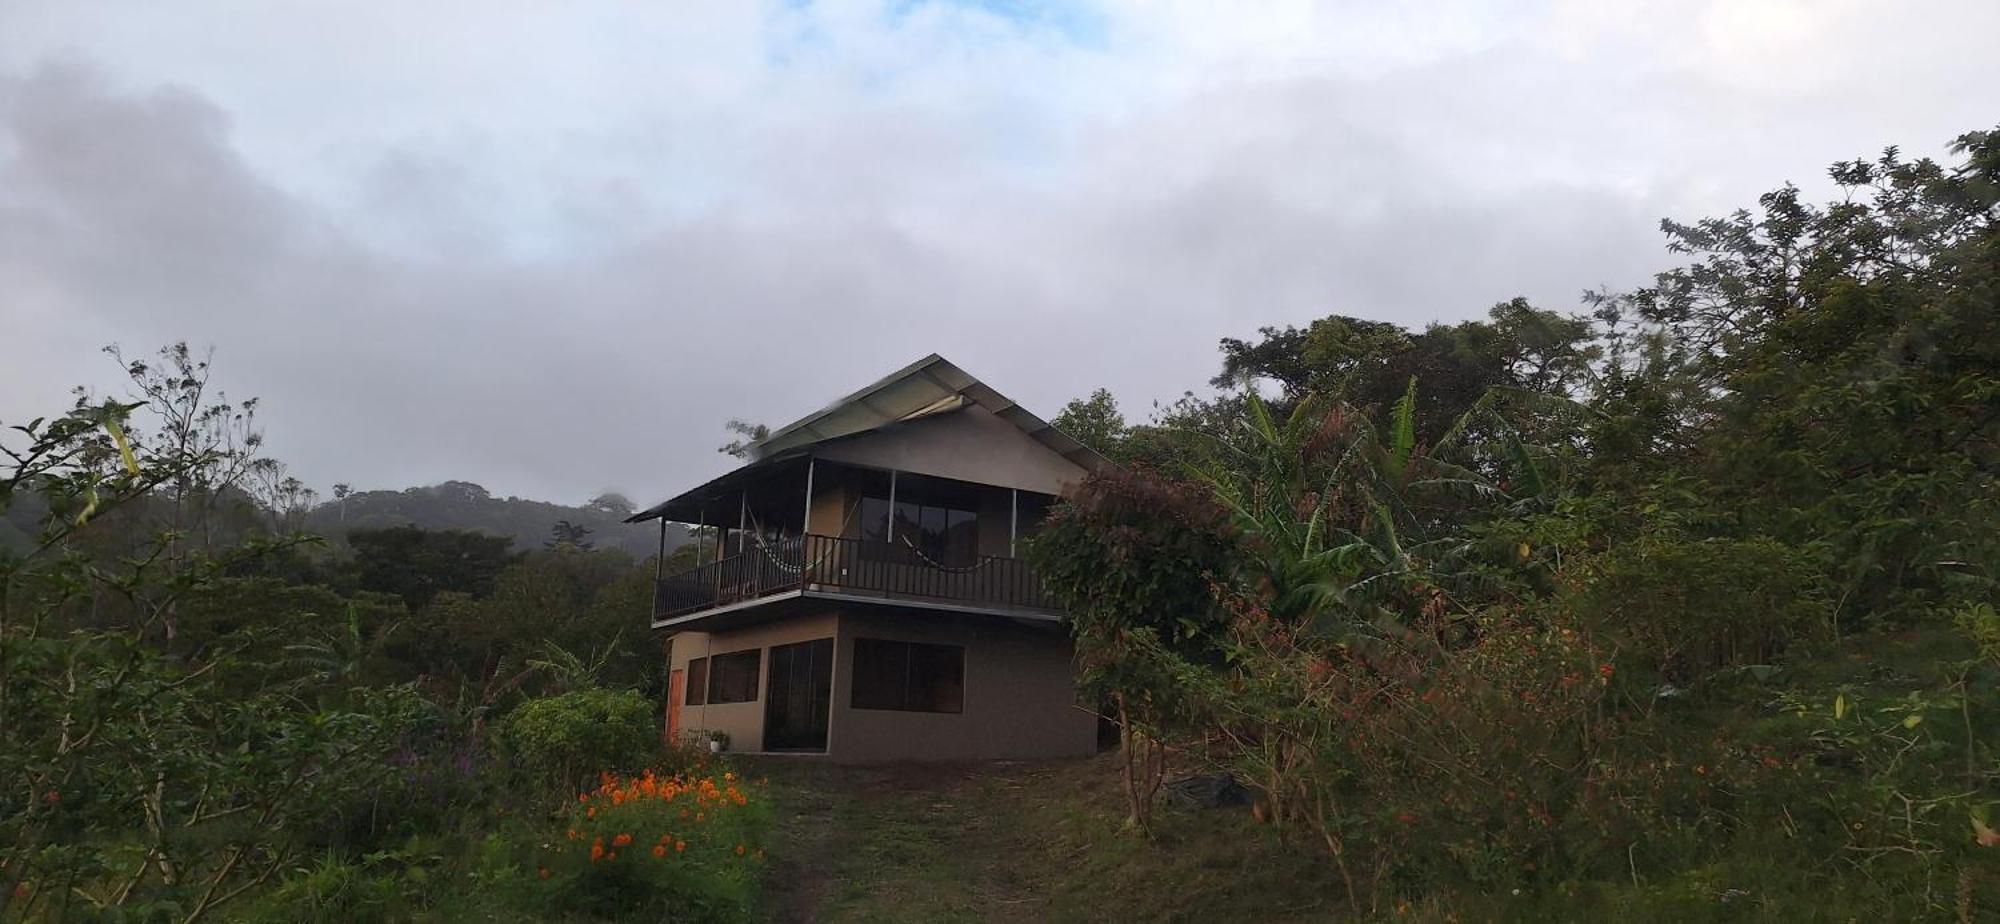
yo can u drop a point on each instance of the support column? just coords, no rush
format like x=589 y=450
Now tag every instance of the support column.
x=660 y=565
x=806 y=522
x=1013 y=520
x=892 y=507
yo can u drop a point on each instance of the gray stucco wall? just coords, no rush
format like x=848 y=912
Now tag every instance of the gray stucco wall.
x=1020 y=695
x=969 y=445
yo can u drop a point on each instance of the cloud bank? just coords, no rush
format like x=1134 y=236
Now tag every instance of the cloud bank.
x=552 y=249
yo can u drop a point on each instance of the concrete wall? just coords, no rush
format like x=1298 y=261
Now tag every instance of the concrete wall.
x=833 y=510
x=744 y=722
x=969 y=445
x=1020 y=695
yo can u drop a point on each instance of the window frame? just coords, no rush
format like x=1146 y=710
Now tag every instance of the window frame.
x=905 y=694
x=694 y=690
x=915 y=536
x=755 y=656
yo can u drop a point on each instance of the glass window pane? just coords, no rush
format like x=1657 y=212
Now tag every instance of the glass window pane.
x=907 y=516
x=961 y=539
x=908 y=676
x=874 y=519
x=733 y=677
x=697 y=682
x=937 y=678
x=933 y=532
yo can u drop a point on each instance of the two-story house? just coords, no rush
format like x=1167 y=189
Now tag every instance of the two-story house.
x=861 y=592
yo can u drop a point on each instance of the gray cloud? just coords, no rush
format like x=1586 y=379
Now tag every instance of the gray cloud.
x=553 y=254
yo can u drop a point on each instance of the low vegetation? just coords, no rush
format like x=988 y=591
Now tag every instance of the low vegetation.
x=1677 y=612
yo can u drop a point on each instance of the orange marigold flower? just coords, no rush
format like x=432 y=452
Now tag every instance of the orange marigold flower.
x=739 y=850
x=590 y=812
x=680 y=846
x=622 y=840
x=596 y=852
x=660 y=850
x=583 y=797
x=613 y=855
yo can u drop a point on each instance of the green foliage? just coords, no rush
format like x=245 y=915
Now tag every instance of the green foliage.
x=1524 y=606
x=1095 y=422
x=1368 y=364
x=1449 y=752
x=418 y=564
x=580 y=600
x=570 y=737
x=1687 y=606
x=1838 y=368
x=1132 y=556
x=189 y=727
x=381 y=887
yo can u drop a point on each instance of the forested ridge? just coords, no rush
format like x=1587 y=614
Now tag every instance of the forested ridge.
x=1680 y=606
x=449 y=505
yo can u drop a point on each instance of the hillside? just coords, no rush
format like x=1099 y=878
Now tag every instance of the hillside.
x=464 y=505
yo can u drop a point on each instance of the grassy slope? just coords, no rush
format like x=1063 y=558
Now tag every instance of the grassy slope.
x=1017 y=842
x=1043 y=841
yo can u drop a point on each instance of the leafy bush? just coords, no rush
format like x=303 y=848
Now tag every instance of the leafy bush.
x=1691 y=606
x=1479 y=742
x=688 y=848
x=380 y=887
x=568 y=736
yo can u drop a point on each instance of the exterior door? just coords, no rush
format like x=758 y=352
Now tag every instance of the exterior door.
x=798 y=696
x=676 y=693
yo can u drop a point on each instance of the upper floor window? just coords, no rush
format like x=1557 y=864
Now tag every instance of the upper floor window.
x=942 y=535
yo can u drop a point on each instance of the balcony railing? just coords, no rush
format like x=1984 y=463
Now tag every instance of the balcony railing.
x=851 y=566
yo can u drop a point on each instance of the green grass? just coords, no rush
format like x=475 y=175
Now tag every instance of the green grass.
x=1044 y=841
x=1039 y=841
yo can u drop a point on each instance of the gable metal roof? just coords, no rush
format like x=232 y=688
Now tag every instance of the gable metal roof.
x=932 y=385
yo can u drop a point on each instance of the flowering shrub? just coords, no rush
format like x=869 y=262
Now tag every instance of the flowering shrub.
x=685 y=846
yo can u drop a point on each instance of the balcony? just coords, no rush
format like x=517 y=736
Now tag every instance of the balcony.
x=853 y=569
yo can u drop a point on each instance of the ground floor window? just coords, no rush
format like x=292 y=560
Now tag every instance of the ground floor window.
x=697 y=682
x=908 y=676
x=732 y=678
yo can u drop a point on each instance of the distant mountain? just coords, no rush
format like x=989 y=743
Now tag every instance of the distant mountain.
x=464 y=505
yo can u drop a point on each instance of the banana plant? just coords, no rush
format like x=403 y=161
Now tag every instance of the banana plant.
x=1346 y=521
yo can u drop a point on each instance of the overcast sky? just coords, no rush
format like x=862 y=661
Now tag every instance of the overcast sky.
x=552 y=247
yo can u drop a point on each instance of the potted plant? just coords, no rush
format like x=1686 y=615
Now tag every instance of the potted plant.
x=718 y=741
